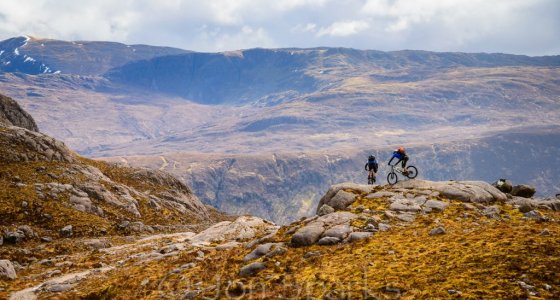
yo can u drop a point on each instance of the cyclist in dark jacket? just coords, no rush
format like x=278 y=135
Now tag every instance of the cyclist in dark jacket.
x=400 y=154
x=371 y=166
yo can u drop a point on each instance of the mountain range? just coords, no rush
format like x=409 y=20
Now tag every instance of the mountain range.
x=287 y=119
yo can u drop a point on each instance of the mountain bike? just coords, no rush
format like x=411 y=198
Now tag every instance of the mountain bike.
x=410 y=172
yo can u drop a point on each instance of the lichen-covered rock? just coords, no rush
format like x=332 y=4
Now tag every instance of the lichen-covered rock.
x=11 y=114
x=466 y=191
x=308 y=235
x=7 y=271
x=21 y=145
x=405 y=205
x=328 y=240
x=262 y=250
x=252 y=269
x=338 y=231
x=436 y=205
x=325 y=209
x=343 y=200
x=243 y=228
x=437 y=231
x=66 y=231
x=357 y=236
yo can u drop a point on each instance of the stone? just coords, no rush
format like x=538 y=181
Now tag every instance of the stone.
x=59 y=287
x=436 y=205
x=380 y=194
x=535 y=215
x=437 y=231
x=24 y=204
x=492 y=212
x=545 y=232
x=228 y=246
x=311 y=254
x=338 y=231
x=27 y=231
x=523 y=190
x=406 y=217
x=243 y=228
x=7 y=271
x=328 y=240
x=96 y=244
x=342 y=200
x=383 y=227
x=308 y=235
x=503 y=185
x=67 y=231
x=252 y=269
x=335 y=189
x=261 y=250
x=523 y=204
x=325 y=210
x=405 y=205
x=357 y=236
x=14 y=237
x=46 y=239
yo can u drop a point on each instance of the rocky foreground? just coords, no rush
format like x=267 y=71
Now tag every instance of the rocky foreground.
x=416 y=239
x=75 y=228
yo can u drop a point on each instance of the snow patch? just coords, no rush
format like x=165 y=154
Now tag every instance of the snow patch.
x=57 y=72
x=1 y=52
x=28 y=58
x=16 y=51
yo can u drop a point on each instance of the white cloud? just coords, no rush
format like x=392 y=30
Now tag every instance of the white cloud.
x=345 y=28
x=513 y=26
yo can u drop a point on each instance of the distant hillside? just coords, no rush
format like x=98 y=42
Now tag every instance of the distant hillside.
x=249 y=75
x=44 y=56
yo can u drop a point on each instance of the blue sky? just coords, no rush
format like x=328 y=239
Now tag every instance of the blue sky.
x=529 y=27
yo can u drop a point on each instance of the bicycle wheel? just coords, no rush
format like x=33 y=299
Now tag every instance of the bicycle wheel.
x=412 y=172
x=392 y=178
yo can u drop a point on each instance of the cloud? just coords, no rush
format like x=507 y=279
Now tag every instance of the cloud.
x=345 y=28
x=512 y=26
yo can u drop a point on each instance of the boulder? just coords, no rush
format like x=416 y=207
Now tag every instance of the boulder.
x=262 y=250
x=436 y=205
x=523 y=190
x=11 y=114
x=338 y=231
x=7 y=271
x=342 y=200
x=251 y=269
x=308 y=234
x=328 y=240
x=14 y=237
x=466 y=191
x=357 y=236
x=535 y=215
x=504 y=185
x=325 y=210
x=67 y=231
x=27 y=231
x=333 y=191
x=243 y=228
x=405 y=205
x=437 y=231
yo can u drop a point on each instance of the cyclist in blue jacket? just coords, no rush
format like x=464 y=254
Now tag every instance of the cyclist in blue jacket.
x=371 y=166
x=400 y=154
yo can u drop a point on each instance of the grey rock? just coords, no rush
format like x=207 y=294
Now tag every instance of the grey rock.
x=338 y=231
x=24 y=204
x=466 y=191
x=345 y=199
x=534 y=215
x=14 y=237
x=406 y=217
x=437 y=231
x=11 y=114
x=503 y=185
x=311 y=254
x=67 y=231
x=97 y=244
x=308 y=235
x=545 y=232
x=491 y=212
x=370 y=228
x=59 y=287
x=380 y=194
x=46 y=239
x=357 y=236
x=342 y=200
x=325 y=210
x=523 y=190
x=251 y=269
x=328 y=240
x=261 y=250
x=228 y=245
x=27 y=231
x=405 y=205
x=383 y=227
x=7 y=271
x=436 y=205
x=523 y=204
x=337 y=218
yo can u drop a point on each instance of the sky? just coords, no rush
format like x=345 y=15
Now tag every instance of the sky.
x=530 y=27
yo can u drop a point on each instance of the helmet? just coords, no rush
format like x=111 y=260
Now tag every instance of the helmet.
x=371 y=157
x=401 y=150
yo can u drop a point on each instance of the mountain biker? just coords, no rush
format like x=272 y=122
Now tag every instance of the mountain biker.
x=371 y=166
x=400 y=154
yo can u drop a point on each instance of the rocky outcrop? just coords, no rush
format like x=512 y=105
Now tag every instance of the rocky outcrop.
x=466 y=191
x=7 y=271
x=338 y=197
x=21 y=145
x=242 y=229
x=11 y=114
